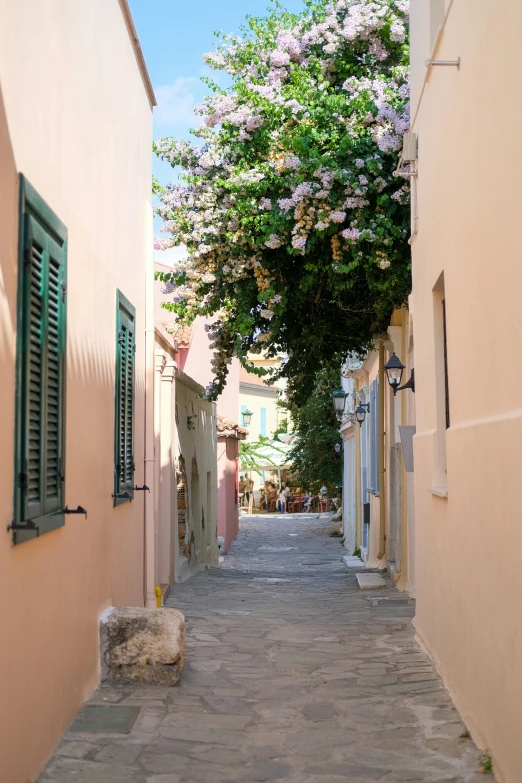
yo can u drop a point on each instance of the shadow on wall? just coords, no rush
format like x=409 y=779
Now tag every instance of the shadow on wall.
x=55 y=587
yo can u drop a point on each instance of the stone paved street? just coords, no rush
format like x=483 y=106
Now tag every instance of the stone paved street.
x=292 y=674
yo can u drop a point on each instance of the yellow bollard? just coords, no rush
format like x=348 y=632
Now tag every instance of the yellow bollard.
x=159 y=596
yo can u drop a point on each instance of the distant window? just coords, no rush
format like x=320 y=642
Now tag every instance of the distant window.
x=262 y=422
x=374 y=437
x=446 y=381
x=442 y=397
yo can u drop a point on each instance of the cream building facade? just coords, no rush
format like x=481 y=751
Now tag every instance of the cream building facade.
x=378 y=504
x=466 y=290
x=185 y=432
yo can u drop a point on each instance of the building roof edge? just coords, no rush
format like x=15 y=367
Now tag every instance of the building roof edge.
x=140 y=59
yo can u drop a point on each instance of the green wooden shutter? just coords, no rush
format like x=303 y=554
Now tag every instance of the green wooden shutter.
x=40 y=428
x=124 y=412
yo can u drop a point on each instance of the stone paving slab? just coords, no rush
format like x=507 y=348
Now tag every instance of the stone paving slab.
x=370 y=581
x=292 y=674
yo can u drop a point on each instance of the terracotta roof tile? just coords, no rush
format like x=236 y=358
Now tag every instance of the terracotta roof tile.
x=180 y=334
x=230 y=428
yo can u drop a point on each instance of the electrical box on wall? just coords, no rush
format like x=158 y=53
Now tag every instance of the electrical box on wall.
x=409 y=154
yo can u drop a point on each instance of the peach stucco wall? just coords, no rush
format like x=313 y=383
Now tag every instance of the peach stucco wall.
x=468 y=587
x=77 y=123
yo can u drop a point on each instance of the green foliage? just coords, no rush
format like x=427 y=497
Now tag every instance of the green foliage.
x=283 y=427
x=315 y=461
x=295 y=225
x=250 y=454
x=486 y=763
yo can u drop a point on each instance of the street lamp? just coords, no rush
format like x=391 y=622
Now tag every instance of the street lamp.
x=361 y=411
x=394 y=369
x=337 y=448
x=247 y=418
x=339 y=401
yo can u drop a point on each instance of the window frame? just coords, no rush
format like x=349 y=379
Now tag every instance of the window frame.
x=128 y=311
x=33 y=208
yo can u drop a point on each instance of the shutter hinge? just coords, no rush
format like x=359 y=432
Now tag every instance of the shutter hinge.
x=23 y=481
x=24 y=526
x=64 y=290
x=121 y=338
x=134 y=347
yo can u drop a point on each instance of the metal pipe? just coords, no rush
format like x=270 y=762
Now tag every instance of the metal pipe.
x=455 y=63
x=382 y=507
x=415 y=210
x=148 y=514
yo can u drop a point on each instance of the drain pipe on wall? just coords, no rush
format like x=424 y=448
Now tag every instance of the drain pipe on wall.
x=148 y=555
x=382 y=507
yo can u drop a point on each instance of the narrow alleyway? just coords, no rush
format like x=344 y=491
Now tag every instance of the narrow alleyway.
x=292 y=674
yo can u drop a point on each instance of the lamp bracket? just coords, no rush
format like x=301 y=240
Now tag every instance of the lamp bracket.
x=410 y=384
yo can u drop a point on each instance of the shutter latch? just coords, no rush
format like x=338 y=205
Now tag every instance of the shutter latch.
x=79 y=510
x=64 y=290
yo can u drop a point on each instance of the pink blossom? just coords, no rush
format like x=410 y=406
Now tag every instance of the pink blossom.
x=273 y=242
x=351 y=233
x=337 y=217
x=279 y=58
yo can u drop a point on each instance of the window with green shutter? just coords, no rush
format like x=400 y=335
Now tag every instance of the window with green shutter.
x=40 y=387
x=124 y=412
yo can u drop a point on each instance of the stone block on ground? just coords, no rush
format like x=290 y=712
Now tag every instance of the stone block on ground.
x=370 y=581
x=143 y=645
x=351 y=561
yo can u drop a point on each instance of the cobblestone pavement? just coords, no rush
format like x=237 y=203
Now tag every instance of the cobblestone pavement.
x=292 y=674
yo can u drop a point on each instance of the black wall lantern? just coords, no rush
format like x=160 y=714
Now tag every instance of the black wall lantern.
x=339 y=401
x=361 y=411
x=394 y=370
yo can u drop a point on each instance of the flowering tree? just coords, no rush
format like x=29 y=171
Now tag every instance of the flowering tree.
x=294 y=224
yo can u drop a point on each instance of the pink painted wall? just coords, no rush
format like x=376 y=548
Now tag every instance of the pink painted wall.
x=228 y=511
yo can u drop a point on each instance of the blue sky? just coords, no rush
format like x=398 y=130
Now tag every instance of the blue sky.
x=174 y=34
